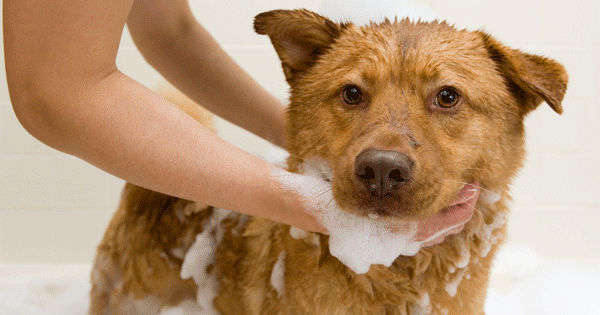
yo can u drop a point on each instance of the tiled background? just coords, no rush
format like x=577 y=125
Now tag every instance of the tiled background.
x=54 y=208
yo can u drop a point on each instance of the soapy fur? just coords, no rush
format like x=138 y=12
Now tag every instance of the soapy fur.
x=264 y=267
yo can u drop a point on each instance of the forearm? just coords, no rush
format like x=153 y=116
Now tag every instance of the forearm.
x=190 y=58
x=136 y=135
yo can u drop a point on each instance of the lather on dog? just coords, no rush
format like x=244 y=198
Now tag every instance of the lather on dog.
x=401 y=118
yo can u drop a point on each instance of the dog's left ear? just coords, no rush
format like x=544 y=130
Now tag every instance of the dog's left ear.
x=299 y=37
x=532 y=79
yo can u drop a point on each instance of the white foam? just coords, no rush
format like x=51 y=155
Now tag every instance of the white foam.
x=423 y=306
x=358 y=242
x=177 y=252
x=452 y=285
x=276 y=156
x=297 y=233
x=490 y=197
x=464 y=253
x=206 y=295
x=316 y=167
x=278 y=275
x=486 y=234
x=199 y=256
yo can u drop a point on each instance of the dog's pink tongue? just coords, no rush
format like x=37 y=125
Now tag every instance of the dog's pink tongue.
x=452 y=219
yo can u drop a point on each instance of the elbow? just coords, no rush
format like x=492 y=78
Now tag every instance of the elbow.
x=54 y=107
x=23 y=102
x=33 y=109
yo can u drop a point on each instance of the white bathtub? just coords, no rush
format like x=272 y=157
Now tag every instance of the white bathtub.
x=522 y=283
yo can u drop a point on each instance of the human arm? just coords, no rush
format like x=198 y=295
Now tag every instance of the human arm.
x=175 y=44
x=68 y=93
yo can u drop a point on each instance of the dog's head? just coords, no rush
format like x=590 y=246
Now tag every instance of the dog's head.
x=406 y=113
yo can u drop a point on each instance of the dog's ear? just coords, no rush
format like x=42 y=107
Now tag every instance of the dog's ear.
x=299 y=37
x=532 y=79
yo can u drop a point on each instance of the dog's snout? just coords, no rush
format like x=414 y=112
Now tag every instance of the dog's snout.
x=383 y=172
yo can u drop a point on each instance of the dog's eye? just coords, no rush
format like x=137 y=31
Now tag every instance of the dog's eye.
x=352 y=95
x=447 y=98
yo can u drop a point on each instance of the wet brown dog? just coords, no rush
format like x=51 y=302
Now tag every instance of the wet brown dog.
x=404 y=114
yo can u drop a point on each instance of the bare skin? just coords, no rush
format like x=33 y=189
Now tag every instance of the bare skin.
x=67 y=92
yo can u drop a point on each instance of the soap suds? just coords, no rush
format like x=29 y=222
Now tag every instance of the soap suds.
x=452 y=285
x=297 y=233
x=200 y=256
x=464 y=253
x=278 y=275
x=490 y=197
x=181 y=216
x=358 y=242
x=486 y=234
x=423 y=305
x=316 y=167
x=178 y=252
x=361 y=242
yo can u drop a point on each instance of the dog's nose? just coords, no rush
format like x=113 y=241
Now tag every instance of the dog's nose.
x=383 y=172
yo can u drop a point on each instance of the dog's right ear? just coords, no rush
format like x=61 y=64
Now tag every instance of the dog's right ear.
x=532 y=79
x=299 y=37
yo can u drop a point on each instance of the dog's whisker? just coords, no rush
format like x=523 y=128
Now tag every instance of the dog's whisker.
x=320 y=194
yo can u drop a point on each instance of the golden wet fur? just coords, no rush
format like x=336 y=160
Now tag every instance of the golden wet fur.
x=400 y=68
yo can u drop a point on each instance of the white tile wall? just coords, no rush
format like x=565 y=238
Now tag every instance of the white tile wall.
x=54 y=208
